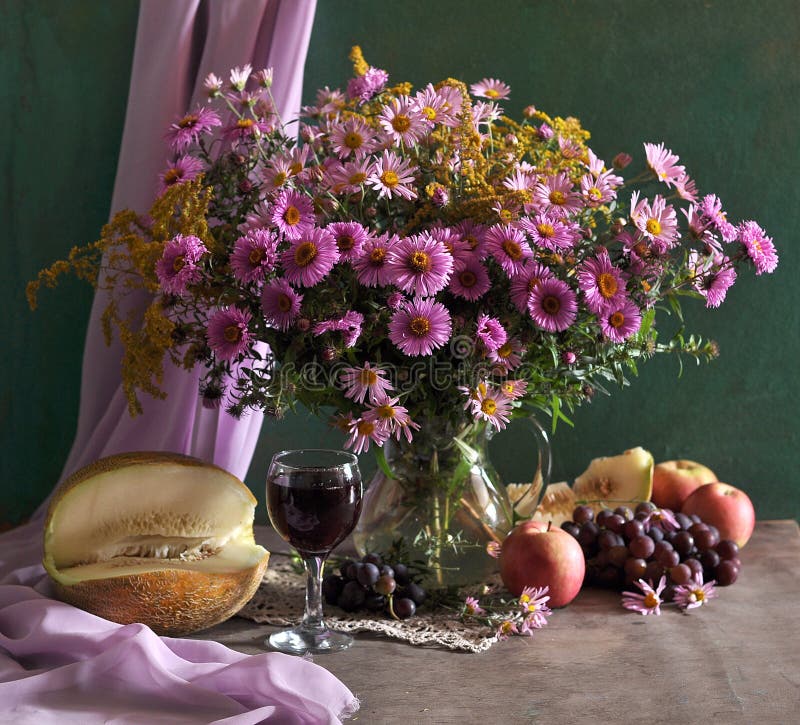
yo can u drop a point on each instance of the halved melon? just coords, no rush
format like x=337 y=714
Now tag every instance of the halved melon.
x=556 y=505
x=158 y=538
x=613 y=480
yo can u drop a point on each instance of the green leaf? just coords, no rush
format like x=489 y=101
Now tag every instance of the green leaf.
x=383 y=464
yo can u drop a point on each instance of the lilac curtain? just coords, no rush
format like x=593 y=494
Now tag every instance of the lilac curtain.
x=59 y=664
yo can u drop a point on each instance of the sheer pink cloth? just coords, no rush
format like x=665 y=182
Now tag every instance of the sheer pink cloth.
x=59 y=664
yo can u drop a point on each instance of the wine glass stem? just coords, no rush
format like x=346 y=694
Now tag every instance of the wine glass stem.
x=312 y=619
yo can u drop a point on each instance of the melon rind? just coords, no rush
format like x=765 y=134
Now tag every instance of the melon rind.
x=173 y=596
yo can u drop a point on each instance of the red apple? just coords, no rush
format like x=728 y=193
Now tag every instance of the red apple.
x=726 y=507
x=674 y=481
x=535 y=554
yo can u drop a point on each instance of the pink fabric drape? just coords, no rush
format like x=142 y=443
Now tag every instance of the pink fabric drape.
x=59 y=664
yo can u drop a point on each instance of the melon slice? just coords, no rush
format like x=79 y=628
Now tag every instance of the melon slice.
x=614 y=480
x=556 y=505
x=157 y=538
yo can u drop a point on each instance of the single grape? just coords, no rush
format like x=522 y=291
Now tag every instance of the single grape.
x=668 y=558
x=401 y=574
x=662 y=546
x=625 y=512
x=642 y=547
x=602 y=516
x=727 y=549
x=656 y=534
x=368 y=574
x=727 y=573
x=571 y=528
x=697 y=526
x=588 y=533
x=344 y=569
x=695 y=566
x=632 y=529
x=710 y=561
x=683 y=543
x=352 y=596
x=680 y=574
x=705 y=539
x=653 y=571
x=635 y=568
x=386 y=570
x=404 y=608
x=696 y=518
x=736 y=561
x=582 y=514
x=606 y=539
x=332 y=585
x=385 y=585
x=414 y=592
x=683 y=520
x=715 y=530
x=645 y=507
x=374 y=602
x=615 y=522
x=617 y=556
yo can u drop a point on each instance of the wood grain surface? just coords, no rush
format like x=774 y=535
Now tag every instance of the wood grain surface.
x=736 y=660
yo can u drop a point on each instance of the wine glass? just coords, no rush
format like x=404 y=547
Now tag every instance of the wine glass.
x=313 y=500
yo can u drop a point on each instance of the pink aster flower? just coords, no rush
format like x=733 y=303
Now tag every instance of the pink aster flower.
x=490 y=404
x=420 y=264
x=713 y=277
x=292 y=213
x=686 y=188
x=371 y=266
x=280 y=304
x=177 y=267
x=228 y=335
x=649 y=602
x=485 y=113
x=493 y=549
x=364 y=87
x=240 y=76
x=392 y=417
x=523 y=284
x=596 y=191
x=367 y=381
x=657 y=222
x=362 y=433
x=663 y=163
x=349 y=178
x=662 y=519
x=310 y=257
x=695 y=593
x=186 y=168
x=548 y=231
x=246 y=127
x=352 y=138
x=350 y=238
x=620 y=320
x=472 y=607
x=391 y=176
x=507 y=357
x=253 y=255
x=490 y=332
x=514 y=389
x=474 y=235
x=556 y=195
x=506 y=628
x=509 y=247
x=471 y=282
x=713 y=215
x=402 y=121
x=490 y=88
x=534 y=600
x=188 y=129
x=349 y=324
x=435 y=107
x=597 y=168
x=759 y=247
x=602 y=284
x=553 y=305
x=420 y=327
x=213 y=85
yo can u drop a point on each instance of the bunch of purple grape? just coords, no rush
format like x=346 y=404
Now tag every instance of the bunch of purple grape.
x=374 y=585
x=624 y=545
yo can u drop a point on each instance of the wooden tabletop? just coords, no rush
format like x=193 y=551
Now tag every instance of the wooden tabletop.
x=736 y=660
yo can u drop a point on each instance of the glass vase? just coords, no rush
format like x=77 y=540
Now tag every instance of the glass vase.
x=442 y=501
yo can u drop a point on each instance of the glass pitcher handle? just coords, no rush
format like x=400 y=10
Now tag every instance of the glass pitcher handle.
x=541 y=476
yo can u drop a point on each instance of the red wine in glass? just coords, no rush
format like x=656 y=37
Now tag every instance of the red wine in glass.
x=313 y=501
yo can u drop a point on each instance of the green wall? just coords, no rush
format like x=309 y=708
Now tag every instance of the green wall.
x=717 y=81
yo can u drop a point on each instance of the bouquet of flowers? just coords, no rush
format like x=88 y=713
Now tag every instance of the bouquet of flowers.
x=414 y=260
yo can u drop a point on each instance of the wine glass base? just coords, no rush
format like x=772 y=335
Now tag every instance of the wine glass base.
x=299 y=641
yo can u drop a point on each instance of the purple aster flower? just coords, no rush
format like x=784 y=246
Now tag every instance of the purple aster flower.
x=662 y=519
x=420 y=264
x=759 y=247
x=649 y=602
x=490 y=404
x=350 y=238
x=490 y=88
x=695 y=593
x=348 y=178
x=392 y=176
x=523 y=284
x=350 y=324
x=602 y=284
x=366 y=86
x=556 y=196
x=545 y=132
x=390 y=416
x=596 y=190
x=280 y=304
x=553 y=305
x=253 y=255
x=534 y=599
x=548 y=231
x=352 y=137
x=506 y=628
x=227 y=332
x=456 y=246
x=712 y=279
x=472 y=607
x=363 y=432
x=246 y=127
x=713 y=215
x=621 y=320
x=177 y=267
x=509 y=247
x=663 y=163
x=395 y=300
x=657 y=222
x=420 y=327
x=188 y=129
x=471 y=282
x=310 y=257
x=292 y=213
x=474 y=235
x=371 y=267
x=186 y=168
x=490 y=332
x=367 y=381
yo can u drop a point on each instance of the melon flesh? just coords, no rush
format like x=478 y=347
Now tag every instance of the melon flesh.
x=156 y=538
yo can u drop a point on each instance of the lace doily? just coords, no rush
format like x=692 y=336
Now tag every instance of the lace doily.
x=280 y=599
